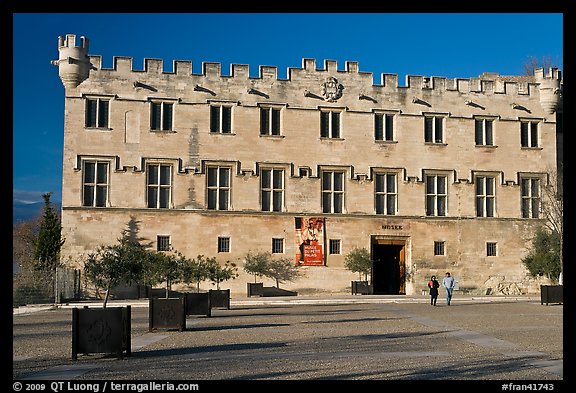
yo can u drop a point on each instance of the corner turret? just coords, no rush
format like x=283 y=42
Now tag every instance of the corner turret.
x=73 y=62
x=550 y=88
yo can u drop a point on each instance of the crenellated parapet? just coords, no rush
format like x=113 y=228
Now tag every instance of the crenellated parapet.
x=328 y=84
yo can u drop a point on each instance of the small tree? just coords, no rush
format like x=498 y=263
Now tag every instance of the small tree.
x=165 y=268
x=257 y=263
x=281 y=270
x=544 y=258
x=195 y=271
x=49 y=240
x=117 y=264
x=358 y=261
x=218 y=273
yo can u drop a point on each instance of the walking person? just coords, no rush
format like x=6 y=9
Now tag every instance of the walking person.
x=433 y=284
x=448 y=283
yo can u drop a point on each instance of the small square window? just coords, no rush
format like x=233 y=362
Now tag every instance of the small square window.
x=439 y=248
x=491 y=249
x=335 y=246
x=223 y=244
x=163 y=243
x=277 y=246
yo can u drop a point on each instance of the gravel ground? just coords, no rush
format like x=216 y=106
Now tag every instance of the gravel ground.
x=469 y=340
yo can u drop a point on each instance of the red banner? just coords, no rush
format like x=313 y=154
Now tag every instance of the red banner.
x=309 y=241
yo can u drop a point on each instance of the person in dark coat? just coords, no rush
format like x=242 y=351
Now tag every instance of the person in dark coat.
x=433 y=284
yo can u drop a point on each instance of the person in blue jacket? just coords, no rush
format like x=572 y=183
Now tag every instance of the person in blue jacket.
x=448 y=283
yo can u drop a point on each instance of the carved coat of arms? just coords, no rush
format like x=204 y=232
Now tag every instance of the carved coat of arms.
x=331 y=89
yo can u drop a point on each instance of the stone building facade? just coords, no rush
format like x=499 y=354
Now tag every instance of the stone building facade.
x=437 y=175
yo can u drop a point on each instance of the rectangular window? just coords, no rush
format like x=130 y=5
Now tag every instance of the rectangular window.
x=385 y=193
x=490 y=249
x=436 y=194
x=161 y=116
x=162 y=243
x=95 y=183
x=221 y=119
x=335 y=247
x=530 y=197
x=159 y=185
x=484 y=132
x=529 y=133
x=433 y=129
x=383 y=127
x=277 y=246
x=485 y=196
x=438 y=248
x=332 y=192
x=218 y=185
x=272 y=189
x=97 y=113
x=269 y=121
x=223 y=244
x=329 y=124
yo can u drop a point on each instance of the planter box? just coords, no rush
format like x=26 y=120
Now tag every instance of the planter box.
x=198 y=303
x=273 y=291
x=167 y=313
x=551 y=294
x=361 y=287
x=101 y=330
x=219 y=298
x=255 y=289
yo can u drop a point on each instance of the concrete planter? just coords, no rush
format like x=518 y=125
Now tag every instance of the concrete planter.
x=101 y=330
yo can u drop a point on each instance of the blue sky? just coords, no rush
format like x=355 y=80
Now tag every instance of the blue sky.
x=452 y=45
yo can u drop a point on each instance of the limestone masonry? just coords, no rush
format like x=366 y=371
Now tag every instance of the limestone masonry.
x=434 y=176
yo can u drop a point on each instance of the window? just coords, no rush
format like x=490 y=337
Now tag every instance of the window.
x=383 y=127
x=484 y=132
x=272 y=189
x=95 y=183
x=485 y=196
x=438 y=248
x=161 y=116
x=277 y=246
x=269 y=121
x=332 y=192
x=529 y=133
x=530 y=197
x=159 y=185
x=329 y=124
x=97 y=113
x=433 y=127
x=221 y=119
x=335 y=247
x=385 y=193
x=490 y=249
x=218 y=188
x=223 y=244
x=162 y=243
x=436 y=195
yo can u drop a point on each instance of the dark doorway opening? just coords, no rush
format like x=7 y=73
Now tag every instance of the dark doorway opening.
x=388 y=269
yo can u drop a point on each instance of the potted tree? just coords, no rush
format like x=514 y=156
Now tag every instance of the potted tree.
x=218 y=273
x=358 y=261
x=256 y=264
x=280 y=270
x=195 y=271
x=168 y=312
x=107 y=329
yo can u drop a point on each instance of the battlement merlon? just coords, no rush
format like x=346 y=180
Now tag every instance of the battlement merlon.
x=545 y=84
